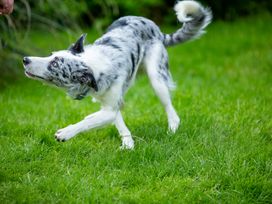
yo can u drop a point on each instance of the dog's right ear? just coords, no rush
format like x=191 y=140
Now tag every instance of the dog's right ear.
x=78 y=46
x=85 y=76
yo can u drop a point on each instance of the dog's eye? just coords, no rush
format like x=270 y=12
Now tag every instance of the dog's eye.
x=54 y=64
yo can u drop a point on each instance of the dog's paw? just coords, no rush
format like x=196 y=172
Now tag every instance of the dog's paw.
x=173 y=124
x=65 y=134
x=127 y=143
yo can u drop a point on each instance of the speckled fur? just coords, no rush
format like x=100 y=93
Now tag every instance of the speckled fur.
x=107 y=68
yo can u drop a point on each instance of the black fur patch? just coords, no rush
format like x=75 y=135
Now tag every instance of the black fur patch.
x=108 y=41
x=78 y=46
x=143 y=22
x=142 y=35
x=85 y=77
x=172 y=38
x=69 y=67
x=133 y=63
x=138 y=52
x=178 y=38
x=152 y=31
x=117 y=24
x=81 y=95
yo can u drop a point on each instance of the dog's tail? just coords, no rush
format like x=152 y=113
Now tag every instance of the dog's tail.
x=195 y=19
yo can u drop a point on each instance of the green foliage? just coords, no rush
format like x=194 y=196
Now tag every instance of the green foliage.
x=232 y=9
x=71 y=16
x=140 y=7
x=221 y=153
x=72 y=9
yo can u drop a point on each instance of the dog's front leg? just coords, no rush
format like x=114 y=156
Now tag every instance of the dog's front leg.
x=95 y=120
x=127 y=141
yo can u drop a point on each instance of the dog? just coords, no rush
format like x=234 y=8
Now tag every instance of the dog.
x=107 y=68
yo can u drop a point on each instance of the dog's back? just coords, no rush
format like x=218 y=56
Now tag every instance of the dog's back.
x=129 y=40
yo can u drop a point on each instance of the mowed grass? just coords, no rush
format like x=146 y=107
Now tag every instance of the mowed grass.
x=220 y=154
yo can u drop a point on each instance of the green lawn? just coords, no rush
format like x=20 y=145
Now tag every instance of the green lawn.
x=221 y=153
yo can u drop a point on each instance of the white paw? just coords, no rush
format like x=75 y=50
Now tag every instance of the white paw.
x=127 y=142
x=173 y=124
x=65 y=134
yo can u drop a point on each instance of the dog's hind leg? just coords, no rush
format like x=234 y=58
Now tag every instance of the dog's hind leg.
x=156 y=63
x=127 y=141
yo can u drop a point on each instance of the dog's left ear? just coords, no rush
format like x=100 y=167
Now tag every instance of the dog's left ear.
x=85 y=76
x=78 y=47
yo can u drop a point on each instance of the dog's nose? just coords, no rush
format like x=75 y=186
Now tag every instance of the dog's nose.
x=26 y=60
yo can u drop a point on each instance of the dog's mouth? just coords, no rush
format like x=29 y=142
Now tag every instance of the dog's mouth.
x=30 y=75
x=48 y=81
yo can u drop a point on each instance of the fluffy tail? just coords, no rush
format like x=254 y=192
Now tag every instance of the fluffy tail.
x=195 y=19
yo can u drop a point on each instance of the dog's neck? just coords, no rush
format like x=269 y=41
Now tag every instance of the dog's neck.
x=78 y=91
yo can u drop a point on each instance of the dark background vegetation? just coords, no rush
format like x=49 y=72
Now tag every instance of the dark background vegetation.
x=72 y=16
x=53 y=14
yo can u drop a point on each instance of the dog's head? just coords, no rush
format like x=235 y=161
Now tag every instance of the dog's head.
x=65 y=69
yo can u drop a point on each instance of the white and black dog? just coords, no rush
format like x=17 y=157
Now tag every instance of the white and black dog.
x=106 y=69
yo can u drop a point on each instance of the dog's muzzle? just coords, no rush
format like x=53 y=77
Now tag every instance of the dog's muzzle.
x=26 y=61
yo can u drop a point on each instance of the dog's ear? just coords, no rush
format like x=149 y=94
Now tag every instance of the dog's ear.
x=85 y=76
x=78 y=46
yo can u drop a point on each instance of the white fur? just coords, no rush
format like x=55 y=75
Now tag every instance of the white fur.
x=127 y=141
x=95 y=61
x=185 y=8
x=160 y=88
x=94 y=120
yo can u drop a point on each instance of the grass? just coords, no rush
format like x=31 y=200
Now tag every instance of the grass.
x=221 y=153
